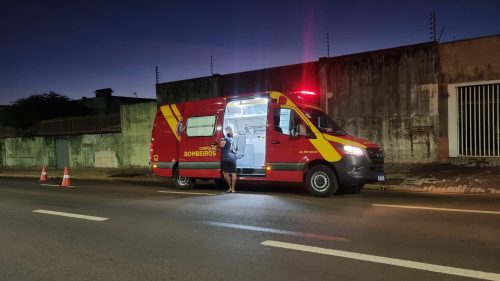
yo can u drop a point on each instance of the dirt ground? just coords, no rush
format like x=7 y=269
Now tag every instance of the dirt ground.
x=443 y=177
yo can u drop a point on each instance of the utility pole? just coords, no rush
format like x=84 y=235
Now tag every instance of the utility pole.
x=157 y=75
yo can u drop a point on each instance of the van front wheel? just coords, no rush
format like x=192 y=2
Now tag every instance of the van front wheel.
x=321 y=181
x=183 y=183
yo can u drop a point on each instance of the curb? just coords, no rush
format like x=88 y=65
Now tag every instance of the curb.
x=110 y=178
x=433 y=189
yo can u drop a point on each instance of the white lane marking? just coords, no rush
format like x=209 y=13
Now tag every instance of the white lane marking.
x=438 y=209
x=70 y=215
x=389 y=261
x=56 y=185
x=279 y=231
x=182 y=192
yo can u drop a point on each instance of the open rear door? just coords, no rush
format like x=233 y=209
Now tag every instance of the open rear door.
x=248 y=119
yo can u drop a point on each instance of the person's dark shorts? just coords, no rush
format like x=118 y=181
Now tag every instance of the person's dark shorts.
x=228 y=167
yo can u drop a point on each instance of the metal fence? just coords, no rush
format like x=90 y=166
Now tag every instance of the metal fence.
x=479 y=120
x=80 y=125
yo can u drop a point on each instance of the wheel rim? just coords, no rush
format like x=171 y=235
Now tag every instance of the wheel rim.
x=182 y=180
x=320 y=181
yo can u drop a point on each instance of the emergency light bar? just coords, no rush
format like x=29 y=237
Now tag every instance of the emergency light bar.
x=307 y=93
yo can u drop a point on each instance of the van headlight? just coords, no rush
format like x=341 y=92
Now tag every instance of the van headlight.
x=353 y=150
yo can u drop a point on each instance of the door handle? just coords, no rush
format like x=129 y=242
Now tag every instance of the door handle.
x=275 y=142
x=213 y=143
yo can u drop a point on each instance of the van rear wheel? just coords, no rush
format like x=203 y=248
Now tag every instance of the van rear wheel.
x=321 y=181
x=183 y=183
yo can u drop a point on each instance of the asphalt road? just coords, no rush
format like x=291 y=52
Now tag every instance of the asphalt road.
x=151 y=231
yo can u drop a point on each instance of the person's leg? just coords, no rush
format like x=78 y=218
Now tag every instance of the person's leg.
x=233 y=182
x=233 y=177
x=225 y=173
x=227 y=178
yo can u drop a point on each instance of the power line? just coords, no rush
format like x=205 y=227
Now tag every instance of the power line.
x=211 y=66
x=327 y=45
x=441 y=33
x=432 y=26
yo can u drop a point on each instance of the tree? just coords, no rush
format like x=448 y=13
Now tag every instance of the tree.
x=26 y=112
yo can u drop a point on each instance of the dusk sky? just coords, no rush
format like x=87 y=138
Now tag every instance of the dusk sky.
x=76 y=47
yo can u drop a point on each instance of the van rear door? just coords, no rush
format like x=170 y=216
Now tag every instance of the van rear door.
x=199 y=153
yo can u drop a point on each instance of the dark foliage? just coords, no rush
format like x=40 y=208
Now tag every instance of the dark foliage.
x=26 y=112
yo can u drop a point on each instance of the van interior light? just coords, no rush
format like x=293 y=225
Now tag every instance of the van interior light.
x=308 y=93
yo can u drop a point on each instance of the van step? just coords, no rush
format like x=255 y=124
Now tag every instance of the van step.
x=251 y=172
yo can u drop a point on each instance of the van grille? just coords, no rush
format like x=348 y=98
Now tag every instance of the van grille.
x=376 y=155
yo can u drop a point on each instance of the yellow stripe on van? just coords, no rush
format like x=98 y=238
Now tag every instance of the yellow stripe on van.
x=176 y=112
x=323 y=146
x=171 y=120
x=344 y=141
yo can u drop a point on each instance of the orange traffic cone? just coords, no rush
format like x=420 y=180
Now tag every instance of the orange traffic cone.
x=43 y=177
x=66 y=182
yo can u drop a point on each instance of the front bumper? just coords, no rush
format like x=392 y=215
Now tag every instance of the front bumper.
x=357 y=170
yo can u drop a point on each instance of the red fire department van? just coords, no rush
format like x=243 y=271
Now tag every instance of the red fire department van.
x=280 y=138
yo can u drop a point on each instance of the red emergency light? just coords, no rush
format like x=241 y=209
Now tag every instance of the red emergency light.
x=309 y=93
x=305 y=97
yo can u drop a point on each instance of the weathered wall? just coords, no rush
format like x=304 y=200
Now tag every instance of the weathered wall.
x=137 y=122
x=2 y=152
x=29 y=152
x=388 y=96
x=475 y=59
x=464 y=61
x=99 y=150
x=287 y=78
x=130 y=148
x=192 y=89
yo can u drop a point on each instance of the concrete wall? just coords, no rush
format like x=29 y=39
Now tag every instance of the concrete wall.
x=130 y=148
x=99 y=150
x=137 y=122
x=475 y=59
x=387 y=96
x=192 y=89
x=2 y=153
x=465 y=61
x=287 y=78
x=29 y=152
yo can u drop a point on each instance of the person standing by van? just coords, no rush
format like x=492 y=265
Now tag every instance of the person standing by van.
x=228 y=163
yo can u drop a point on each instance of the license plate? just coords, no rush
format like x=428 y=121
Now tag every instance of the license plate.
x=381 y=178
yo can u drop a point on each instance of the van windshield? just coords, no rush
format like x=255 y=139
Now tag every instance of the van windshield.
x=323 y=122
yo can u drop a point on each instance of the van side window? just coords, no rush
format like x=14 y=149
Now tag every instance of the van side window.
x=283 y=120
x=202 y=126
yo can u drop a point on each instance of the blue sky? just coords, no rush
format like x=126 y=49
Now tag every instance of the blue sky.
x=76 y=47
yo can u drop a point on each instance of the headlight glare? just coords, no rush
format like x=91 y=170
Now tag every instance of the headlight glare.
x=353 y=150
